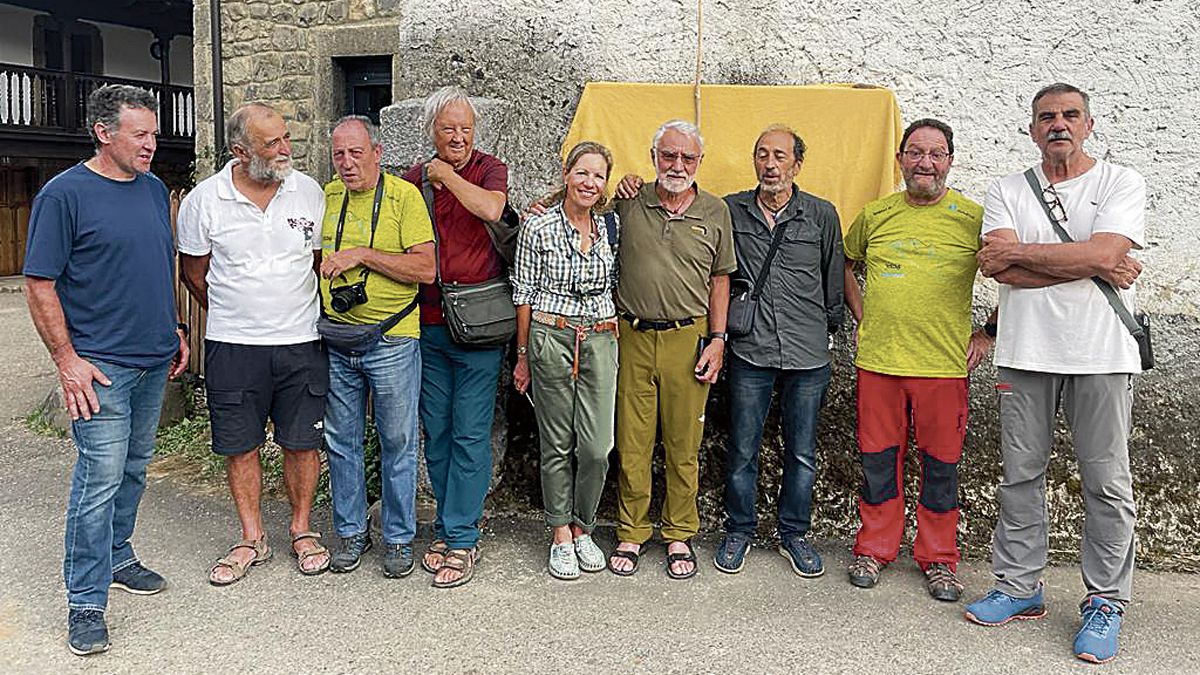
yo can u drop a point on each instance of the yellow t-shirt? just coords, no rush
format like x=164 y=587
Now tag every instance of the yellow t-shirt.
x=920 y=269
x=403 y=223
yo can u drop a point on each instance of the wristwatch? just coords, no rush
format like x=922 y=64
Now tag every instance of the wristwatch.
x=522 y=350
x=719 y=334
x=989 y=329
x=181 y=326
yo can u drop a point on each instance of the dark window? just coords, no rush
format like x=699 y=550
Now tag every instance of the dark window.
x=368 y=82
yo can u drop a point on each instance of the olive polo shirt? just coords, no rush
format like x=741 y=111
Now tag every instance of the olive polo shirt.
x=666 y=261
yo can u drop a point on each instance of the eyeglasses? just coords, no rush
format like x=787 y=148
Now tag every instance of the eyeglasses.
x=1057 y=211
x=935 y=156
x=670 y=157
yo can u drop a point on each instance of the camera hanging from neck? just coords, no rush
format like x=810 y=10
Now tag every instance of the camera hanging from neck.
x=337 y=240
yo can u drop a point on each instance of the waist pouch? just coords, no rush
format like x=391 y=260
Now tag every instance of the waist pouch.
x=358 y=339
x=480 y=314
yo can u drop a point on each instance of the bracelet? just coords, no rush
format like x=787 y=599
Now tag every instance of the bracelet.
x=716 y=334
x=181 y=326
x=522 y=350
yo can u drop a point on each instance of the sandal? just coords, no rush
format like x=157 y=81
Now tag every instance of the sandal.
x=672 y=558
x=302 y=557
x=438 y=547
x=262 y=553
x=632 y=556
x=462 y=560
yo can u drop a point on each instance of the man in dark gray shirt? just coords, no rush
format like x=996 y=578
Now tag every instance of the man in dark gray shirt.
x=798 y=308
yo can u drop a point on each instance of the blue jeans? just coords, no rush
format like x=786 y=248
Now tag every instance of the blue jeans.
x=109 y=478
x=390 y=371
x=801 y=397
x=458 y=399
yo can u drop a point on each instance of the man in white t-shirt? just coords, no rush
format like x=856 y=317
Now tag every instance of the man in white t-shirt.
x=249 y=239
x=1060 y=342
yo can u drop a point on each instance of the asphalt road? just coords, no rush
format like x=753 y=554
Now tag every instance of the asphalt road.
x=513 y=617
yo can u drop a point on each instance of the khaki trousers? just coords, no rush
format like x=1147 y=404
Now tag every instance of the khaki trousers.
x=657 y=388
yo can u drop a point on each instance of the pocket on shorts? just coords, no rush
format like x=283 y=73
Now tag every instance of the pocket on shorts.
x=229 y=418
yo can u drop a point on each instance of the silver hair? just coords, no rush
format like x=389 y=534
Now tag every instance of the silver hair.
x=373 y=133
x=437 y=102
x=105 y=103
x=683 y=127
x=235 y=126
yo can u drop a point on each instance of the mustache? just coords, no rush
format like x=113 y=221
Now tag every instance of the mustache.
x=1058 y=136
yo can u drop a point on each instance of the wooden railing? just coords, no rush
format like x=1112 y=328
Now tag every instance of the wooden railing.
x=190 y=311
x=55 y=100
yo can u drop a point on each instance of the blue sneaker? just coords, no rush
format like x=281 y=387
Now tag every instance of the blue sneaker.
x=86 y=632
x=136 y=578
x=731 y=554
x=998 y=608
x=805 y=560
x=1096 y=640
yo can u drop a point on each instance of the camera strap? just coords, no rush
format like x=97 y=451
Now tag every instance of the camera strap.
x=337 y=240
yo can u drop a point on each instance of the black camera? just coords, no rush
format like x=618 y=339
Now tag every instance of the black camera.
x=344 y=298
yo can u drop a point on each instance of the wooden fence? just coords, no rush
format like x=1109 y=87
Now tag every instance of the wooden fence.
x=190 y=311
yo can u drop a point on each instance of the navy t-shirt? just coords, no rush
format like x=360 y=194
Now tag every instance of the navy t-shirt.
x=107 y=245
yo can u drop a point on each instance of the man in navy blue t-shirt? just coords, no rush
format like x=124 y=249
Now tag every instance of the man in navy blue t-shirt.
x=99 y=278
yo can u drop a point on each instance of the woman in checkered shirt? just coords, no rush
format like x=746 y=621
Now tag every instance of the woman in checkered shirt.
x=563 y=281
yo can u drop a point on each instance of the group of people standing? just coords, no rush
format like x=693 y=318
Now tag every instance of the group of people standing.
x=627 y=310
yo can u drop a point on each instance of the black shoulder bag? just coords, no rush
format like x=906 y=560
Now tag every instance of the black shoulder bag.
x=743 y=299
x=356 y=339
x=1138 y=324
x=480 y=314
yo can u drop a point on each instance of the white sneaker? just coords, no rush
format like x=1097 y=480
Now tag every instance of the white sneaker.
x=563 y=564
x=591 y=558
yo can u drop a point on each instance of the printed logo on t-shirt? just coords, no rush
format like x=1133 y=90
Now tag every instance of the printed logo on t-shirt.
x=305 y=226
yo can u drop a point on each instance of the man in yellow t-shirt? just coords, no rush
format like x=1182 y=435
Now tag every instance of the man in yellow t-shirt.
x=915 y=347
x=376 y=233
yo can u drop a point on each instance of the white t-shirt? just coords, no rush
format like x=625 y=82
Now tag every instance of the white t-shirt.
x=1068 y=328
x=261 y=285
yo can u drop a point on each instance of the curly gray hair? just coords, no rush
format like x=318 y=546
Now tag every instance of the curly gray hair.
x=105 y=103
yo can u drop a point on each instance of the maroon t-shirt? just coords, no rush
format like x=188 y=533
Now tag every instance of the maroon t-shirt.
x=465 y=250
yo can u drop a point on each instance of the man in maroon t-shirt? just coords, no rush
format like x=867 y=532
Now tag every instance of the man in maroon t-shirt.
x=458 y=384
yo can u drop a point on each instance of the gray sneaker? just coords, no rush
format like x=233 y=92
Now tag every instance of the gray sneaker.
x=591 y=558
x=349 y=554
x=398 y=560
x=563 y=563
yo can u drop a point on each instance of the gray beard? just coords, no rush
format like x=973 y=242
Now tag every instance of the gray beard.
x=267 y=171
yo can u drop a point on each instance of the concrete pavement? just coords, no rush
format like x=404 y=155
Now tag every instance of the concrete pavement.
x=513 y=617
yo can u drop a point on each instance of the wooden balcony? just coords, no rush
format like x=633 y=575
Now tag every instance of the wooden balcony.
x=43 y=112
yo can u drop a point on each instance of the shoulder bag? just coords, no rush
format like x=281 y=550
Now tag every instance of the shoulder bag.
x=1138 y=324
x=479 y=314
x=743 y=299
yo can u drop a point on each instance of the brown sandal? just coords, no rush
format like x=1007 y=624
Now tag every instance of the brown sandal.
x=438 y=547
x=301 y=557
x=461 y=560
x=262 y=553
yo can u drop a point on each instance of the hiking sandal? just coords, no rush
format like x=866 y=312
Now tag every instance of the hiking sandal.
x=462 y=560
x=262 y=553
x=690 y=556
x=632 y=556
x=302 y=557
x=437 y=547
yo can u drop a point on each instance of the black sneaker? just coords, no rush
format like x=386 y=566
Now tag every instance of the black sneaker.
x=398 y=560
x=349 y=554
x=86 y=632
x=139 y=580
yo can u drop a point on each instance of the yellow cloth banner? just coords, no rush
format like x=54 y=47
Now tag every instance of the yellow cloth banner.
x=851 y=131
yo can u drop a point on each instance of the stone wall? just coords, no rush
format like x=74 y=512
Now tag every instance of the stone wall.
x=973 y=64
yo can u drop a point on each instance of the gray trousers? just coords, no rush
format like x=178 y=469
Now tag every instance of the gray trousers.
x=575 y=419
x=1097 y=408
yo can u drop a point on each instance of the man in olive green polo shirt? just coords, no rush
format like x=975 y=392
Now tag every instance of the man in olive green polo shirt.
x=675 y=258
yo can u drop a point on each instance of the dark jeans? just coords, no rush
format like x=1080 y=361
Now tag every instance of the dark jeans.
x=801 y=396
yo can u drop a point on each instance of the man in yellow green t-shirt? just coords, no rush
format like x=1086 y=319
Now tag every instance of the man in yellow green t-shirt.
x=915 y=347
x=376 y=234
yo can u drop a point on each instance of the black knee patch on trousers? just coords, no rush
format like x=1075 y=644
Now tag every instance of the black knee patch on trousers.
x=939 y=484
x=879 y=476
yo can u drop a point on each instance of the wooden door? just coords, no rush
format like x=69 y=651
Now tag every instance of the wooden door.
x=16 y=196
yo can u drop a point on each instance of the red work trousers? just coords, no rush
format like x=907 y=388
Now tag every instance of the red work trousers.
x=937 y=410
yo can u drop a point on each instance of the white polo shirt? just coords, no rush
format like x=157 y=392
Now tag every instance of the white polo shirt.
x=261 y=286
x=1068 y=328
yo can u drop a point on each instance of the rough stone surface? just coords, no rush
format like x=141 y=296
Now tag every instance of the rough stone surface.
x=973 y=64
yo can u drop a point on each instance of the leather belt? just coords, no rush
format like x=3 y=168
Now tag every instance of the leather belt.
x=581 y=331
x=643 y=324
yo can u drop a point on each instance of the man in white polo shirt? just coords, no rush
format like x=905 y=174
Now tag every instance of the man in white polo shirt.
x=249 y=240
